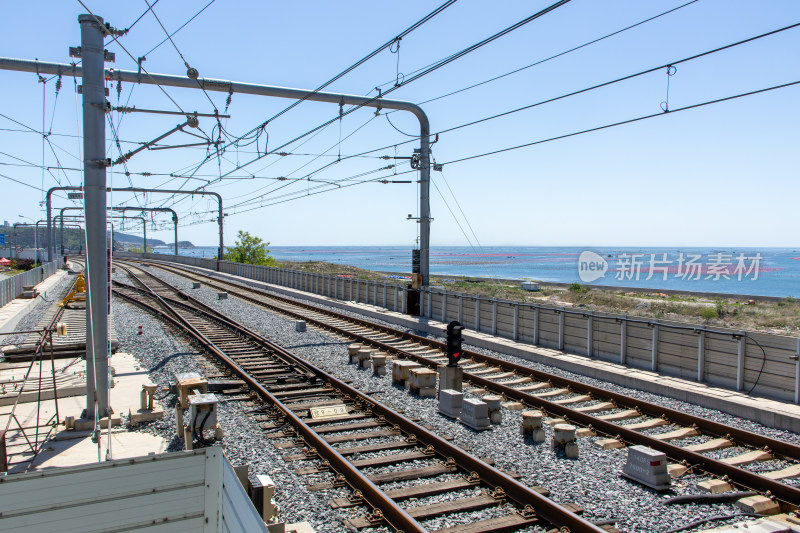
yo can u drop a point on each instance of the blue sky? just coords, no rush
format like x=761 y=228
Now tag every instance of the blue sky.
x=723 y=175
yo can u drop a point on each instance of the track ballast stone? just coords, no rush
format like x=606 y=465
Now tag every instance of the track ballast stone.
x=164 y=353
x=592 y=481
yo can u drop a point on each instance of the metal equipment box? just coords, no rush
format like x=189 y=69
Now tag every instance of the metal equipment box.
x=202 y=411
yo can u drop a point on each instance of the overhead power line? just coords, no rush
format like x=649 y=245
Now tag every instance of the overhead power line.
x=542 y=141
x=585 y=90
x=405 y=82
x=550 y=58
x=358 y=63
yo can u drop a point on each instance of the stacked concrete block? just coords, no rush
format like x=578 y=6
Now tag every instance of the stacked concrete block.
x=379 y=364
x=493 y=403
x=564 y=437
x=401 y=369
x=532 y=422
x=451 y=402
x=364 y=355
x=352 y=352
x=422 y=381
x=475 y=414
x=648 y=467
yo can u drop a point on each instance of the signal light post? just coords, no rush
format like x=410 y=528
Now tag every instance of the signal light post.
x=454 y=342
x=451 y=376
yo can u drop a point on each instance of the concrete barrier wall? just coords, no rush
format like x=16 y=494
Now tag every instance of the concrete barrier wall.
x=765 y=364
x=11 y=287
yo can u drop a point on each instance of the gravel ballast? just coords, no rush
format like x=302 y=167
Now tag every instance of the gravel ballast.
x=592 y=480
x=163 y=353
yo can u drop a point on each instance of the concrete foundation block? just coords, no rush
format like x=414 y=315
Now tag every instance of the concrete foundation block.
x=195 y=284
x=564 y=438
x=451 y=377
x=493 y=403
x=401 y=369
x=563 y=433
x=364 y=355
x=379 y=364
x=475 y=414
x=758 y=505
x=531 y=420
x=87 y=424
x=420 y=378
x=648 y=467
x=222 y=296
x=353 y=349
x=145 y=415
x=300 y=326
x=450 y=402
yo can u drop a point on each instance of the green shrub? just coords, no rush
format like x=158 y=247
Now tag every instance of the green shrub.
x=577 y=288
x=708 y=313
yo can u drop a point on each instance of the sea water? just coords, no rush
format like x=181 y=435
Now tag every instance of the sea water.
x=746 y=271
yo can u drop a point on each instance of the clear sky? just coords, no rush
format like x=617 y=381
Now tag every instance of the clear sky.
x=721 y=175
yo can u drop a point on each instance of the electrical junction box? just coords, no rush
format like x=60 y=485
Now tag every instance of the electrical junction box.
x=188 y=383
x=202 y=411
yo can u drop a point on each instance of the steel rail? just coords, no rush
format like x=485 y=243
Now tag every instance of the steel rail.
x=394 y=515
x=520 y=493
x=745 y=478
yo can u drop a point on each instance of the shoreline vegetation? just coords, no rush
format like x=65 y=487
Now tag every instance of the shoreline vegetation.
x=769 y=315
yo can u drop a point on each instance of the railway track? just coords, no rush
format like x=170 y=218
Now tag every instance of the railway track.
x=759 y=463
x=390 y=447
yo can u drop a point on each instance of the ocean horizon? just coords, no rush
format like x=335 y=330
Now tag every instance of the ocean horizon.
x=747 y=271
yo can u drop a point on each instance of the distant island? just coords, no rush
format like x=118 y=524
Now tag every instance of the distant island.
x=124 y=241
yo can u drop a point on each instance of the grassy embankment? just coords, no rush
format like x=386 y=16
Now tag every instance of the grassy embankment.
x=782 y=316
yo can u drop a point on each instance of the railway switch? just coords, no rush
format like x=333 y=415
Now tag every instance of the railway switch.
x=454 y=329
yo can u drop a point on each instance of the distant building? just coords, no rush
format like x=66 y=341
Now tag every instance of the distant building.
x=6 y=224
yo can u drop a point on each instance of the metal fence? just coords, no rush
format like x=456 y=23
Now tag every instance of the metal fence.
x=11 y=287
x=749 y=361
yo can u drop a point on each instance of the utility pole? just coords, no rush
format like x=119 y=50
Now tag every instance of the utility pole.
x=92 y=53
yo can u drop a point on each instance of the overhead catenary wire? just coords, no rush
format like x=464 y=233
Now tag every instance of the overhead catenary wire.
x=550 y=58
x=587 y=89
x=360 y=62
x=427 y=71
x=578 y=133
